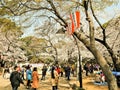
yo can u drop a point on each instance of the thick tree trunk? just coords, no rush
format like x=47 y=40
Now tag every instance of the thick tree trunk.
x=112 y=85
x=105 y=68
x=104 y=42
x=90 y=44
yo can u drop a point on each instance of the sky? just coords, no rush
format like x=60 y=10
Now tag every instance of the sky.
x=111 y=12
x=105 y=15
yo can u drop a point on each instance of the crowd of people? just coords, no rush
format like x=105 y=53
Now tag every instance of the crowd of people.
x=17 y=77
x=96 y=70
x=29 y=76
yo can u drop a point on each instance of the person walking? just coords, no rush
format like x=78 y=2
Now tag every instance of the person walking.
x=86 y=68
x=15 y=79
x=61 y=71
x=68 y=69
x=65 y=69
x=29 y=77
x=35 y=79
x=58 y=69
x=22 y=72
x=44 y=70
x=54 y=78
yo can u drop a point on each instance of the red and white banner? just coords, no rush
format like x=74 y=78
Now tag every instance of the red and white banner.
x=77 y=19
x=75 y=22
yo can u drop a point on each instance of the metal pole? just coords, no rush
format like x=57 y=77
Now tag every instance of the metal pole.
x=80 y=71
x=80 y=64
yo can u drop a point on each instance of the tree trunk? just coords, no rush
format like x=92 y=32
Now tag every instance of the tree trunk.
x=112 y=85
x=115 y=60
x=90 y=44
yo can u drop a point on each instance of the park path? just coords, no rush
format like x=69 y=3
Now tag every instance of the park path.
x=43 y=84
x=63 y=84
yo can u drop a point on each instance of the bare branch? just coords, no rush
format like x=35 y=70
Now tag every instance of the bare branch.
x=39 y=8
x=115 y=39
x=8 y=8
x=56 y=13
x=104 y=34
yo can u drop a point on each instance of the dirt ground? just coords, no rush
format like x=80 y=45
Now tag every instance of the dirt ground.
x=63 y=84
x=89 y=85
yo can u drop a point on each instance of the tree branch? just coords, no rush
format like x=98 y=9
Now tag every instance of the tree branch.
x=115 y=39
x=104 y=34
x=56 y=13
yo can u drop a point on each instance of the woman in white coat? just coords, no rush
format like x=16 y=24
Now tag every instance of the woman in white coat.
x=54 y=78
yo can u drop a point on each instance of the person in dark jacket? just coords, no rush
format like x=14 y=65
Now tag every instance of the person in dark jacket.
x=15 y=79
x=68 y=70
x=44 y=70
x=86 y=68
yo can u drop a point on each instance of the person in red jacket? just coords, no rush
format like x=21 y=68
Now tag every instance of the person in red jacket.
x=58 y=69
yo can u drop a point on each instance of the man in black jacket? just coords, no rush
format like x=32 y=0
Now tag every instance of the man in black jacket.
x=15 y=79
